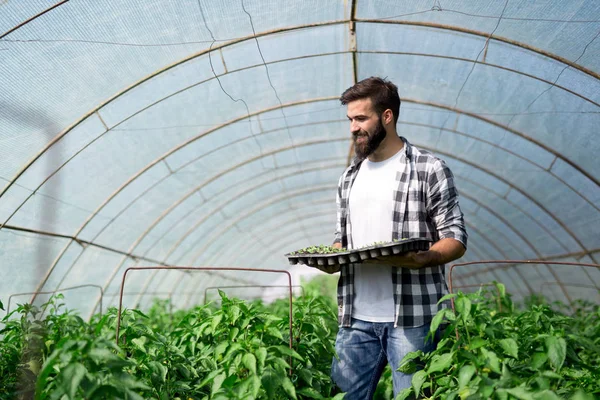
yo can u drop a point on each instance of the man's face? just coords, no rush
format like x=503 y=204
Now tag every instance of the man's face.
x=366 y=127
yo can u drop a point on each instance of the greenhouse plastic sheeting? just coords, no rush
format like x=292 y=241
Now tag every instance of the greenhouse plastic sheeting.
x=201 y=133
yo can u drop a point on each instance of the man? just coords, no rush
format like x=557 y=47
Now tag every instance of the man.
x=392 y=190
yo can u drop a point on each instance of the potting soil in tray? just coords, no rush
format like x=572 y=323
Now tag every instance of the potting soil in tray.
x=358 y=255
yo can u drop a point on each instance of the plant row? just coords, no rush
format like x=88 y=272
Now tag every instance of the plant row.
x=239 y=350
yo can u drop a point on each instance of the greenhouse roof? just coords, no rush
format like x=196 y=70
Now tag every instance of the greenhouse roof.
x=203 y=133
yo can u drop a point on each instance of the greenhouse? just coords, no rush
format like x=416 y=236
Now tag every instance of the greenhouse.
x=161 y=159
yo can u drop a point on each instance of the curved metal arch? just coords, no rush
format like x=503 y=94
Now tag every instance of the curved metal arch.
x=487 y=36
x=199 y=187
x=32 y=18
x=266 y=33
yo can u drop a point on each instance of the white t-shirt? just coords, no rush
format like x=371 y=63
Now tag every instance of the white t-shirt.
x=371 y=210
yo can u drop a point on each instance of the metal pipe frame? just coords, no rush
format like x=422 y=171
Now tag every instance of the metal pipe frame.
x=405 y=100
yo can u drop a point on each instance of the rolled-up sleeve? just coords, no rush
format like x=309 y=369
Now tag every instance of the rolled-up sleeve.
x=442 y=203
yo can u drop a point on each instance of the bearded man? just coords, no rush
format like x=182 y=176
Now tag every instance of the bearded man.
x=392 y=190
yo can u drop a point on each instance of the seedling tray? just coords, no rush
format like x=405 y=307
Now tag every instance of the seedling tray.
x=359 y=255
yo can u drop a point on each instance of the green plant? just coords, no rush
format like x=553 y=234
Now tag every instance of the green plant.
x=490 y=350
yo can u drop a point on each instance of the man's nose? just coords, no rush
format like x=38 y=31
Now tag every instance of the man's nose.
x=354 y=127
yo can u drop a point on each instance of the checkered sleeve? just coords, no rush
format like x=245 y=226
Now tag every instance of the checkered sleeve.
x=338 y=225
x=442 y=203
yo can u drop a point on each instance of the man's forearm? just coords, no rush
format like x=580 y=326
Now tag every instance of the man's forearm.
x=444 y=251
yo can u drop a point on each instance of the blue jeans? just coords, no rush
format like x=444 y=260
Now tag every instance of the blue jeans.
x=365 y=348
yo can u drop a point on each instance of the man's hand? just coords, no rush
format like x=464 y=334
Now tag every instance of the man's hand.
x=411 y=259
x=331 y=269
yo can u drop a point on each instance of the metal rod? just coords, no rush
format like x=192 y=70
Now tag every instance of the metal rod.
x=32 y=18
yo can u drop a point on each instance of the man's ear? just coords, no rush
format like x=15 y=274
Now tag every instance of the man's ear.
x=388 y=117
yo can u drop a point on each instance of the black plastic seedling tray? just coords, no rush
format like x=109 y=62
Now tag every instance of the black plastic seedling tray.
x=358 y=255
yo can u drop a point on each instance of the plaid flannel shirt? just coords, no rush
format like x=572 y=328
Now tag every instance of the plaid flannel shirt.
x=425 y=206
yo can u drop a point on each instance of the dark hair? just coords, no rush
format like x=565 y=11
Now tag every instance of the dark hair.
x=383 y=95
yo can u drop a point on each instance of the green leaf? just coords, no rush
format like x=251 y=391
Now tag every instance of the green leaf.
x=233 y=333
x=446 y=297
x=492 y=358
x=306 y=375
x=408 y=367
x=1 y=306
x=220 y=349
x=249 y=362
x=417 y=381
x=288 y=387
x=439 y=318
x=464 y=375
x=581 y=395
x=272 y=331
x=71 y=377
x=537 y=360
x=510 y=347
x=159 y=371
x=476 y=343
x=209 y=378
x=463 y=307
x=216 y=320
x=217 y=382
x=339 y=396
x=235 y=313
x=520 y=393
x=271 y=381
x=404 y=394
x=501 y=289
x=288 y=352
x=557 y=350
x=261 y=356
x=440 y=362
x=140 y=343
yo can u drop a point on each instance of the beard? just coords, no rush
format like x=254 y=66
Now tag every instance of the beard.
x=365 y=149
